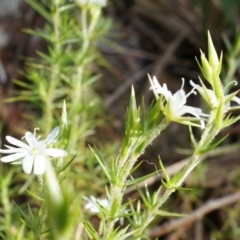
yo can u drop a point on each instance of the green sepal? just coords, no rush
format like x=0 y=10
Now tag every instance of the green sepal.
x=206 y=95
x=132 y=126
x=205 y=68
x=212 y=55
x=219 y=69
x=155 y=113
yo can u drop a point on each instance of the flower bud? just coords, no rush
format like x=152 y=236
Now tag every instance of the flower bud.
x=213 y=57
x=206 y=69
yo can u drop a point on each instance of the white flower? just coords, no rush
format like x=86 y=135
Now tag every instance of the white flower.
x=102 y=3
x=210 y=97
x=34 y=154
x=175 y=107
x=93 y=203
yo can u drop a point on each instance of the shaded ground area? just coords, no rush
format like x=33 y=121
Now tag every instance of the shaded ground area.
x=161 y=38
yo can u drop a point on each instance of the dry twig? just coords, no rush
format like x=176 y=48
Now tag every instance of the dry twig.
x=174 y=168
x=157 y=67
x=195 y=216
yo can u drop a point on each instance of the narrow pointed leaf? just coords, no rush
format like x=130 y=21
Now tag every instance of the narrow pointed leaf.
x=40 y=9
x=212 y=146
x=34 y=195
x=170 y=214
x=100 y=161
x=141 y=179
x=192 y=138
x=90 y=230
x=67 y=164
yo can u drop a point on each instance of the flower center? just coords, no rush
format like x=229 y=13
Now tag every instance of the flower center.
x=35 y=151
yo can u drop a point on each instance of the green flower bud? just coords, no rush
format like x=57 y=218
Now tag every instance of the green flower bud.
x=213 y=57
x=206 y=68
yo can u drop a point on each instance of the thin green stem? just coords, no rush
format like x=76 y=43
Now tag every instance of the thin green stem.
x=209 y=134
x=78 y=96
x=117 y=189
x=55 y=69
x=7 y=209
x=77 y=93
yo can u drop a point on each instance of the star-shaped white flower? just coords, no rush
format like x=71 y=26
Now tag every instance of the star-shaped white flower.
x=210 y=97
x=175 y=107
x=93 y=203
x=34 y=154
x=102 y=3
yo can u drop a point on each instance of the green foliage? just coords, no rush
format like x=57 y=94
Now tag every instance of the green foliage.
x=60 y=85
x=65 y=71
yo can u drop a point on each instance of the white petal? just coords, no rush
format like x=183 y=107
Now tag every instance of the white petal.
x=91 y=205
x=236 y=99
x=55 y=152
x=39 y=165
x=179 y=97
x=192 y=110
x=194 y=85
x=13 y=157
x=27 y=164
x=13 y=150
x=52 y=135
x=17 y=143
x=104 y=203
x=31 y=139
x=156 y=83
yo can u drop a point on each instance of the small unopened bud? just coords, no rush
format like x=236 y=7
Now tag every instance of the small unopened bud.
x=213 y=57
x=206 y=68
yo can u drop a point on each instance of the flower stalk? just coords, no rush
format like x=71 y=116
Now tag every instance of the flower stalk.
x=214 y=125
x=132 y=148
